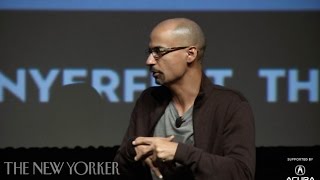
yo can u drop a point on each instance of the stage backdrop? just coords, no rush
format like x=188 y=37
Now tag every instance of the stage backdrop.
x=71 y=78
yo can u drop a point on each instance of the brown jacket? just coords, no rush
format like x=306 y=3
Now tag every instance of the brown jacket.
x=224 y=135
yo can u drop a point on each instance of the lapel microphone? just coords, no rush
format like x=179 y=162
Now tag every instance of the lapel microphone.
x=179 y=122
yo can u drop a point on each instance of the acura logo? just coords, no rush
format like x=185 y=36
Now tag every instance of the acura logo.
x=300 y=170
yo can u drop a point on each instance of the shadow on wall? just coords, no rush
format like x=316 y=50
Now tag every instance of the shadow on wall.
x=76 y=117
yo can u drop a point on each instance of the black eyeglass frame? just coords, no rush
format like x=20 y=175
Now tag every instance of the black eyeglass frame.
x=158 y=52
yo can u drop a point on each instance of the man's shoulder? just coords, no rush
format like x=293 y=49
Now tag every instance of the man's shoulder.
x=216 y=92
x=225 y=93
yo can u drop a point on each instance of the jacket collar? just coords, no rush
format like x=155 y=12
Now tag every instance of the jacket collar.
x=206 y=87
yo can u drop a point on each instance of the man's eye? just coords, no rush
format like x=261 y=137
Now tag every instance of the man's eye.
x=157 y=50
x=161 y=50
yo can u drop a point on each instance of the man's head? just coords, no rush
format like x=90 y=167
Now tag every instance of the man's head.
x=176 y=48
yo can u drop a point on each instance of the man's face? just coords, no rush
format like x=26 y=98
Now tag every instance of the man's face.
x=166 y=65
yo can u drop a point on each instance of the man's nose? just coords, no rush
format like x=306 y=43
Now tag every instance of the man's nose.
x=150 y=60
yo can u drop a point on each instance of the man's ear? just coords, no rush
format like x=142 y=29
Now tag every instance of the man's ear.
x=192 y=54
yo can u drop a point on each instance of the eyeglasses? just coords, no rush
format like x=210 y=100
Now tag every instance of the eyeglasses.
x=158 y=52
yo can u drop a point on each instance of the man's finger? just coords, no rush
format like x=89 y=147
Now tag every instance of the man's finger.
x=142 y=151
x=142 y=140
x=170 y=138
x=149 y=140
x=153 y=157
x=154 y=168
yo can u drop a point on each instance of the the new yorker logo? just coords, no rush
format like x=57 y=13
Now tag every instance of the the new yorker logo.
x=300 y=170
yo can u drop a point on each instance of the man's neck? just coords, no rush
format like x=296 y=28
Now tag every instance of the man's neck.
x=185 y=92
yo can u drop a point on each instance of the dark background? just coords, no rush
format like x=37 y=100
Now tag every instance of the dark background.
x=76 y=116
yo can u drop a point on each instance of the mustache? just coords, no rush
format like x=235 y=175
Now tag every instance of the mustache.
x=153 y=70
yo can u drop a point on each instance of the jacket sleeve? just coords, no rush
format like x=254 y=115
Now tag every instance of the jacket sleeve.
x=237 y=160
x=127 y=166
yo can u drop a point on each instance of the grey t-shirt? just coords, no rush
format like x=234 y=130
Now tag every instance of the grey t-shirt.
x=166 y=127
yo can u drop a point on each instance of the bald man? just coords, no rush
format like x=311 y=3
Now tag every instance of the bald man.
x=186 y=128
